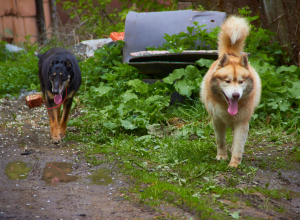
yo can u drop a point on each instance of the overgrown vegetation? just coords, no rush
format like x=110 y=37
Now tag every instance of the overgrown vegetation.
x=133 y=125
x=100 y=19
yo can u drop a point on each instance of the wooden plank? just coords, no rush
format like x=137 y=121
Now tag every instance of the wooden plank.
x=19 y=30
x=8 y=26
x=26 y=7
x=5 y=8
x=1 y=28
x=30 y=27
x=14 y=9
x=47 y=13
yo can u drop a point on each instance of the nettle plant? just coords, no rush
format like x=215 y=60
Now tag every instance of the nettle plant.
x=196 y=38
x=116 y=97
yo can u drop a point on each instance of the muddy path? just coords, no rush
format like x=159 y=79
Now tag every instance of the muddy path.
x=40 y=180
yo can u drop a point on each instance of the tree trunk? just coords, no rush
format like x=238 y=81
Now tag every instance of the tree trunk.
x=277 y=23
x=40 y=21
x=54 y=18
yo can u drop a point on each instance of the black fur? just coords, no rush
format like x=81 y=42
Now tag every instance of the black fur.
x=58 y=54
x=58 y=67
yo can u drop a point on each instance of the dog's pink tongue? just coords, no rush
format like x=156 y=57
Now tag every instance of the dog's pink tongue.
x=233 y=107
x=57 y=99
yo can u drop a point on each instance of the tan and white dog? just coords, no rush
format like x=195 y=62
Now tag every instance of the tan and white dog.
x=231 y=89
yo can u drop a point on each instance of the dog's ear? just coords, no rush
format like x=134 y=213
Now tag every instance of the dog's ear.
x=53 y=62
x=244 y=61
x=68 y=63
x=223 y=61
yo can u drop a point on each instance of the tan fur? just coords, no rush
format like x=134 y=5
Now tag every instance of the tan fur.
x=232 y=36
x=50 y=95
x=58 y=125
x=231 y=74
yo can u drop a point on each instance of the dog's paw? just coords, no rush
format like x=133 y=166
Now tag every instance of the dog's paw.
x=62 y=136
x=235 y=161
x=221 y=157
x=62 y=133
x=233 y=164
x=56 y=140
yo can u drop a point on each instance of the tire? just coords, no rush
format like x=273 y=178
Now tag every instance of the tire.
x=177 y=98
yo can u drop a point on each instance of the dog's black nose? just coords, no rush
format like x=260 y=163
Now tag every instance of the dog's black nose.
x=55 y=91
x=236 y=95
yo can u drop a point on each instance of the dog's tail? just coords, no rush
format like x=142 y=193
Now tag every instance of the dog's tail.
x=37 y=54
x=232 y=36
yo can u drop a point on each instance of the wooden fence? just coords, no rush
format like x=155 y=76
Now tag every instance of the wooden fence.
x=18 y=20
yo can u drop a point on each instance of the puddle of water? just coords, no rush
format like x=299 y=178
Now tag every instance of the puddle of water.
x=292 y=194
x=17 y=170
x=101 y=177
x=58 y=172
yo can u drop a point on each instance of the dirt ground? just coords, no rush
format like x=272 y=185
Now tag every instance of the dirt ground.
x=61 y=185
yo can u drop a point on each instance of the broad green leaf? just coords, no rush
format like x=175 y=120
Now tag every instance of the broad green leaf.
x=110 y=125
x=144 y=139
x=261 y=67
x=295 y=90
x=138 y=85
x=279 y=88
x=190 y=29
x=291 y=69
x=200 y=132
x=284 y=105
x=205 y=62
x=197 y=195
x=108 y=107
x=278 y=52
x=120 y=109
x=172 y=51
x=102 y=90
x=127 y=124
x=191 y=73
x=235 y=215
x=156 y=147
x=156 y=98
x=273 y=105
x=141 y=122
x=128 y=95
x=177 y=74
x=184 y=87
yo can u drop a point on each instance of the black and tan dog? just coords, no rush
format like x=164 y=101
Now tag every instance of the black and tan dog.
x=60 y=78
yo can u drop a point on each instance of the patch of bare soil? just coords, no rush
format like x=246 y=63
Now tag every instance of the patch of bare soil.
x=259 y=206
x=40 y=180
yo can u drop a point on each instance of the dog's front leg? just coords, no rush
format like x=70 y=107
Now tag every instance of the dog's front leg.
x=54 y=126
x=220 y=132
x=65 y=116
x=239 y=140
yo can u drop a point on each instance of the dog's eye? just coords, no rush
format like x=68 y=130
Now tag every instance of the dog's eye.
x=227 y=81
x=241 y=82
x=52 y=76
